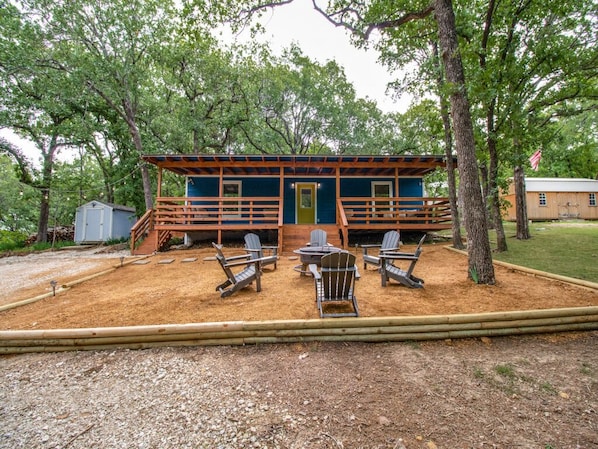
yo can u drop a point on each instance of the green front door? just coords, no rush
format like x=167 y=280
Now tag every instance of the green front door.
x=306 y=203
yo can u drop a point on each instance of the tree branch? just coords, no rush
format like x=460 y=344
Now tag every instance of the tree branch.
x=408 y=17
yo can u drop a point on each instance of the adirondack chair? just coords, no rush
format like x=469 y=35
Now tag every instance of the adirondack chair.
x=335 y=283
x=254 y=247
x=388 y=270
x=318 y=237
x=237 y=281
x=390 y=242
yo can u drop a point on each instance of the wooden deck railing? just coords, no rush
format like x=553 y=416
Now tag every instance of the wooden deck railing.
x=396 y=212
x=193 y=213
x=407 y=213
x=141 y=229
x=172 y=214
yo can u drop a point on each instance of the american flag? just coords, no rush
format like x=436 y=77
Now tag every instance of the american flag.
x=534 y=159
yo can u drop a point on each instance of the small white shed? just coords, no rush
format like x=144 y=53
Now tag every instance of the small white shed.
x=97 y=222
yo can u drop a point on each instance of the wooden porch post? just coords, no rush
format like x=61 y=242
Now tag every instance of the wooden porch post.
x=339 y=226
x=159 y=189
x=220 y=208
x=281 y=207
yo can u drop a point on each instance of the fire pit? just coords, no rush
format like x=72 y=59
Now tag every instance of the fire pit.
x=312 y=254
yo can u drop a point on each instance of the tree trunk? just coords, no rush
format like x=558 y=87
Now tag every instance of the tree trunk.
x=481 y=269
x=44 y=208
x=145 y=177
x=494 y=197
x=520 y=204
x=448 y=151
x=44 y=216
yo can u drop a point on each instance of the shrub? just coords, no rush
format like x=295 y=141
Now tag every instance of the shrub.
x=11 y=240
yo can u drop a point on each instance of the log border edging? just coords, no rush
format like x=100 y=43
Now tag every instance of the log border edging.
x=432 y=327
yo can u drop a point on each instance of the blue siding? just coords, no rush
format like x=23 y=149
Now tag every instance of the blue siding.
x=358 y=186
x=327 y=201
x=326 y=196
x=411 y=187
x=202 y=186
x=289 y=203
x=258 y=186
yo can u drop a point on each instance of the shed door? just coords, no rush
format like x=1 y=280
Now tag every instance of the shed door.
x=94 y=219
x=306 y=203
x=568 y=205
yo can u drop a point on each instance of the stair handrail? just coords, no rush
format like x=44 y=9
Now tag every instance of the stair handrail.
x=141 y=228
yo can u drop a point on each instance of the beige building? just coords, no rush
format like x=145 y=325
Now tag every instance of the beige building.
x=556 y=199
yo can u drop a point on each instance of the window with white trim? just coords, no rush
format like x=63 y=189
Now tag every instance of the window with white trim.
x=592 y=199
x=542 y=199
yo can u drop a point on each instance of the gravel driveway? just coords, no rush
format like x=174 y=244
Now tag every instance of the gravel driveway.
x=524 y=392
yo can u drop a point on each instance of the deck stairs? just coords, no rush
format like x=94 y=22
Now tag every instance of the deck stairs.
x=297 y=235
x=147 y=245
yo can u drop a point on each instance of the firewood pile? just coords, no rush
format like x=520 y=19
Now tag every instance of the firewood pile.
x=58 y=234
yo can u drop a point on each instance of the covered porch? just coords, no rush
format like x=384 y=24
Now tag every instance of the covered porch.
x=346 y=206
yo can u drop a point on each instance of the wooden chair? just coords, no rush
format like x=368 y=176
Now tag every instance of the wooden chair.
x=254 y=247
x=242 y=279
x=390 y=242
x=388 y=270
x=318 y=237
x=335 y=283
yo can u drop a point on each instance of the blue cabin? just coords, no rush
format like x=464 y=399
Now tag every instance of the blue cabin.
x=289 y=195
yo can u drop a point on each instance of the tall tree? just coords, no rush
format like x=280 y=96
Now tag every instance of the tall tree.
x=36 y=99
x=363 y=19
x=535 y=60
x=106 y=47
x=302 y=107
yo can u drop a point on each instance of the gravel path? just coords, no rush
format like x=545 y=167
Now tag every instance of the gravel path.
x=18 y=273
x=321 y=395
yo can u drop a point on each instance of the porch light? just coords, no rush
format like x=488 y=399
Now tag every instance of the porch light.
x=319 y=185
x=293 y=185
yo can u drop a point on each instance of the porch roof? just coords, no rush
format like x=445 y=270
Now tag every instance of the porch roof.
x=296 y=165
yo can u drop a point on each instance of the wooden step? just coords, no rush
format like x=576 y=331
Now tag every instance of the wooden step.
x=147 y=245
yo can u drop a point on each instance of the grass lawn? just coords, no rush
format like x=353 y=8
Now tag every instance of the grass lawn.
x=566 y=248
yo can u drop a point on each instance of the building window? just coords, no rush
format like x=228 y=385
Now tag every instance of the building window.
x=382 y=189
x=542 y=198
x=592 y=199
x=231 y=189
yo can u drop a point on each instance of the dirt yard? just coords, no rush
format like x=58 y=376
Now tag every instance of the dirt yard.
x=179 y=287
x=527 y=392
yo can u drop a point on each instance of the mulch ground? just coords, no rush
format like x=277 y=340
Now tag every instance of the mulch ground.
x=179 y=287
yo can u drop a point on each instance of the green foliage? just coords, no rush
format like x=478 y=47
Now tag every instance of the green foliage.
x=19 y=214
x=547 y=387
x=586 y=369
x=117 y=241
x=505 y=371
x=11 y=240
x=473 y=274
